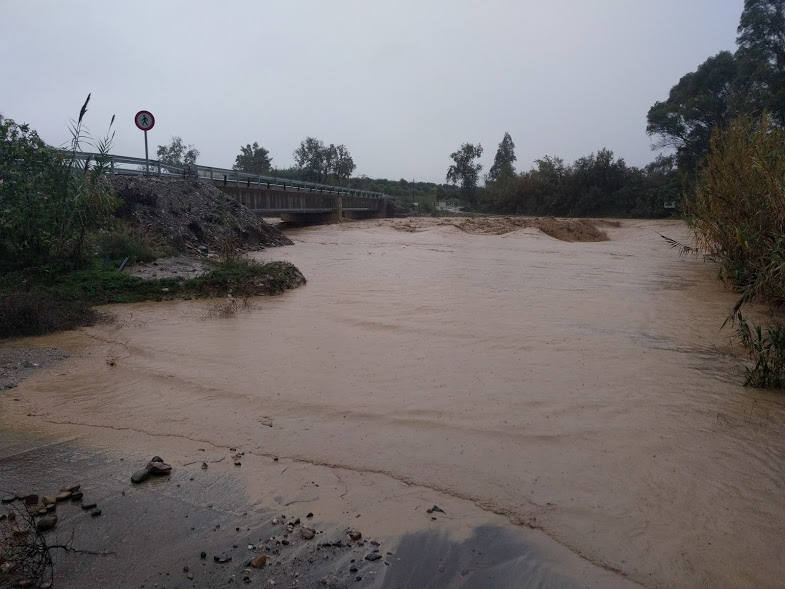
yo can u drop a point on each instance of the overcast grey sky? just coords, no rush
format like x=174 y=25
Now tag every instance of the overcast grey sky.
x=401 y=83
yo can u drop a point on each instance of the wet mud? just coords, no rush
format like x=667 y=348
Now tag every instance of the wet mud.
x=579 y=397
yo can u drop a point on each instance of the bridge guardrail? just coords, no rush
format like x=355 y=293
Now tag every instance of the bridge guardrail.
x=135 y=166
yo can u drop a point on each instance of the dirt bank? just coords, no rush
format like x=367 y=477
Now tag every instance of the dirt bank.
x=562 y=229
x=192 y=215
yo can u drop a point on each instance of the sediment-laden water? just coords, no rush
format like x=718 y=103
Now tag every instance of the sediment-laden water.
x=582 y=388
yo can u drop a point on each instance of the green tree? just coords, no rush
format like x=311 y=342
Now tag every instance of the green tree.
x=320 y=163
x=747 y=82
x=309 y=159
x=466 y=171
x=701 y=101
x=761 y=57
x=253 y=159
x=503 y=161
x=177 y=153
x=343 y=164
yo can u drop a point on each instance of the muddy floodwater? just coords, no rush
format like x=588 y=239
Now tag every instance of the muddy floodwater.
x=580 y=391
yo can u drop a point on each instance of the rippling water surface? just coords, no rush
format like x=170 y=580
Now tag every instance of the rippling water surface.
x=584 y=388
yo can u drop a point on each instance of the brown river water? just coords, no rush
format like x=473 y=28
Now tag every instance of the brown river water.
x=581 y=389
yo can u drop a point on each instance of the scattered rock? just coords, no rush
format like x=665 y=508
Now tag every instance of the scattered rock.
x=435 y=509
x=72 y=488
x=307 y=533
x=159 y=468
x=373 y=556
x=156 y=467
x=95 y=512
x=204 y=466
x=63 y=495
x=77 y=496
x=310 y=515
x=222 y=559
x=46 y=523
x=259 y=561
x=203 y=555
x=140 y=476
x=88 y=506
x=354 y=535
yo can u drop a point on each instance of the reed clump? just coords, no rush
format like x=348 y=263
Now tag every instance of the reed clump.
x=738 y=219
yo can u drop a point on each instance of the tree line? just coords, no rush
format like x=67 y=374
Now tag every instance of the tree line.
x=749 y=82
x=313 y=160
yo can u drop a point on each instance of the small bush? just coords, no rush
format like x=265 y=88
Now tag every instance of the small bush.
x=767 y=349
x=128 y=243
x=39 y=313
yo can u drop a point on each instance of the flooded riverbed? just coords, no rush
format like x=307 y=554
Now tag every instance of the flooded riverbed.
x=584 y=389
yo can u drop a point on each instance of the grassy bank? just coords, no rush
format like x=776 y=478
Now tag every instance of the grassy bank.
x=34 y=301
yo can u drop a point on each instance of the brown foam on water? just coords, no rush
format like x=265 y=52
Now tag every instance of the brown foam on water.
x=581 y=388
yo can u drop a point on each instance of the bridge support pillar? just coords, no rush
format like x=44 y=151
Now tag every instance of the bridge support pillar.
x=339 y=200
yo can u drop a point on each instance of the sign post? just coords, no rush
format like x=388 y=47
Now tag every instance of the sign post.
x=145 y=120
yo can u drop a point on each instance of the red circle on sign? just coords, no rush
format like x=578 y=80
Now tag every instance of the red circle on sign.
x=145 y=120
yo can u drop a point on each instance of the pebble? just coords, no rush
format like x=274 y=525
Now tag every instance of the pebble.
x=76 y=496
x=355 y=535
x=87 y=506
x=259 y=561
x=204 y=466
x=95 y=512
x=203 y=555
x=222 y=559
x=62 y=496
x=140 y=476
x=159 y=468
x=373 y=556
x=435 y=509
x=307 y=533
x=46 y=523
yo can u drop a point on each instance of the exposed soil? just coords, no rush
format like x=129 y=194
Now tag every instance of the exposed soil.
x=192 y=215
x=562 y=229
x=172 y=267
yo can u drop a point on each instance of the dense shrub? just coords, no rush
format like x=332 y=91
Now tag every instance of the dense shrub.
x=738 y=215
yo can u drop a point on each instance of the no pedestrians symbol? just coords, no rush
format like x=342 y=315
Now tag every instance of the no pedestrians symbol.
x=145 y=120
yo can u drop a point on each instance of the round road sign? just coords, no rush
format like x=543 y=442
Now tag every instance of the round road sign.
x=145 y=120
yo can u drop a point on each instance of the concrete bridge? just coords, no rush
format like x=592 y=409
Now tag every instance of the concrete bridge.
x=292 y=200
